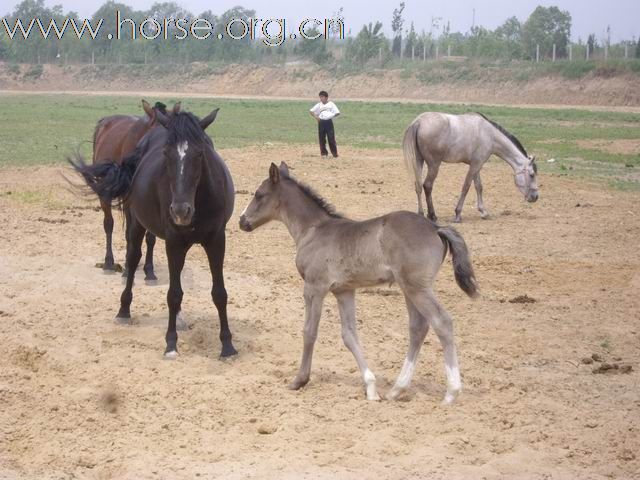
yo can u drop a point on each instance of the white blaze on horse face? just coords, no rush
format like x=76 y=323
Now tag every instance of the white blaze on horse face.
x=182 y=151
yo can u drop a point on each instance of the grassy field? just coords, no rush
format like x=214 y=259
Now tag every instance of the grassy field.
x=42 y=129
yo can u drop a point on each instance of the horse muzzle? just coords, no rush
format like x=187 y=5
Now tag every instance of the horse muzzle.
x=532 y=197
x=181 y=213
x=245 y=226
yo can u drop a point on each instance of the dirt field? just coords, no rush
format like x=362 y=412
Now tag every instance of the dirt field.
x=83 y=397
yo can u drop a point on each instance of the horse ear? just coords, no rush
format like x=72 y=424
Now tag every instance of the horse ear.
x=284 y=168
x=177 y=107
x=274 y=173
x=208 y=120
x=148 y=110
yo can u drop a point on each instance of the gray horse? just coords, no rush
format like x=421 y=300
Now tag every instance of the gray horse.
x=338 y=255
x=433 y=138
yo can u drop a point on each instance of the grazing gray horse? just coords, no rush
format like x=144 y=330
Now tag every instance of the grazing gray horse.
x=433 y=138
x=338 y=255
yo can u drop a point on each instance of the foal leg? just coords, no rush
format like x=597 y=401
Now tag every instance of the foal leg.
x=442 y=324
x=134 y=252
x=478 y=183
x=432 y=173
x=313 y=300
x=418 y=328
x=347 y=307
x=176 y=253
x=149 y=274
x=215 y=249
x=108 y=230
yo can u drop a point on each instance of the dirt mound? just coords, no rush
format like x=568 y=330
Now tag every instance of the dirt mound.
x=481 y=85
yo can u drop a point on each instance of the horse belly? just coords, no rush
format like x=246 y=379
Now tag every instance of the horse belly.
x=359 y=274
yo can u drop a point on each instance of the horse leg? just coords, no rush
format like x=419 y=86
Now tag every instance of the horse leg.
x=418 y=328
x=313 y=300
x=176 y=253
x=347 y=307
x=465 y=189
x=134 y=252
x=127 y=223
x=432 y=173
x=107 y=223
x=478 y=183
x=149 y=274
x=215 y=249
x=442 y=324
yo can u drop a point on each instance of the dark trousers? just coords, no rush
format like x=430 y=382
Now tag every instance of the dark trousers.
x=326 y=132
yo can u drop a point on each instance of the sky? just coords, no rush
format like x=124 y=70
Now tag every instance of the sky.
x=589 y=16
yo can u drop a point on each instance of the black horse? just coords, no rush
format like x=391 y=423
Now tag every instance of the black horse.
x=176 y=186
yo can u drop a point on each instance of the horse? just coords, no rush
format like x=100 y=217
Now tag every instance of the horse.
x=339 y=255
x=177 y=187
x=114 y=138
x=433 y=138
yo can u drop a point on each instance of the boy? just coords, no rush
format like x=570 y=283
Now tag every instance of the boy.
x=324 y=111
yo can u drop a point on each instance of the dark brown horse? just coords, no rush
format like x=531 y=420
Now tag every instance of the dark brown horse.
x=176 y=186
x=114 y=138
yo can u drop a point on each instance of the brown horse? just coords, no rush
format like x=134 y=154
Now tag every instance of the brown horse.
x=114 y=138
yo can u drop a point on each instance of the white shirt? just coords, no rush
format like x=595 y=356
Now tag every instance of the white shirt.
x=325 y=111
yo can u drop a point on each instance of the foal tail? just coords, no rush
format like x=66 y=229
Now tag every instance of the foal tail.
x=108 y=181
x=462 y=268
x=413 y=160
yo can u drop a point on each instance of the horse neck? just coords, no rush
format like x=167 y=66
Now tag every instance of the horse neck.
x=298 y=212
x=506 y=150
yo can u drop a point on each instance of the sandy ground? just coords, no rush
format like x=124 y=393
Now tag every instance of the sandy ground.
x=83 y=397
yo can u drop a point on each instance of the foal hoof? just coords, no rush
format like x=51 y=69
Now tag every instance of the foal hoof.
x=170 y=355
x=297 y=384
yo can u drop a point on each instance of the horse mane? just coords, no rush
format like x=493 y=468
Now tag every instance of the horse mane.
x=310 y=193
x=185 y=126
x=507 y=134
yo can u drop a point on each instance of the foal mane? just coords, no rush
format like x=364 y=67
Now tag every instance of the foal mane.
x=507 y=134
x=310 y=193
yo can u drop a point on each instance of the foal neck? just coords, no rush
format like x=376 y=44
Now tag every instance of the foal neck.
x=299 y=212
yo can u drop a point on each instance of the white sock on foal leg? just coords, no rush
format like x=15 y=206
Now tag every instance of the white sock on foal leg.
x=404 y=379
x=370 y=382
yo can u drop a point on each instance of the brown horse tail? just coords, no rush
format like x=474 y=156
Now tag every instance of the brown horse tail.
x=462 y=268
x=109 y=181
x=413 y=160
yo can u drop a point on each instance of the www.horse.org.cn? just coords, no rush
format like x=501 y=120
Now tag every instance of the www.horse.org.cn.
x=272 y=31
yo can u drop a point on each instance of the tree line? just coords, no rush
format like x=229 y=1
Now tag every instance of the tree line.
x=545 y=28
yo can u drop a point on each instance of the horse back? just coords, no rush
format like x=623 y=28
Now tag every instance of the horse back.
x=116 y=136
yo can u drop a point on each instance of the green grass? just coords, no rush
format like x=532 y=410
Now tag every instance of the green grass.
x=43 y=129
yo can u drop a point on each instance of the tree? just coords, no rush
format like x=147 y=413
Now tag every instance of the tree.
x=546 y=27
x=510 y=30
x=412 y=42
x=315 y=50
x=397 y=22
x=368 y=44
x=592 y=44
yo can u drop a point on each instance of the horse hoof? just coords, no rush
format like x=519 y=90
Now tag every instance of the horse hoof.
x=122 y=319
x=297 y=384
x=228 y=351
x=457 y=220
x=171 y=355
x=151 y=282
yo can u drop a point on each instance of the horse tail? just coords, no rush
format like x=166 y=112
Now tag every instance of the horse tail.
x=108 y=181
x=462 y=268
x=413 y=160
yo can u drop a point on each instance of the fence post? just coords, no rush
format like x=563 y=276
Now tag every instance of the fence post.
x=626 y=50
x=606 y=51
x=380 y=54
x=449 y=50
x=424 y=52
x=93 y=57
x=437 y=52
x=570 y=52
x=587 y=51
x=554 y=52
x=413 y=52
x=537 y=53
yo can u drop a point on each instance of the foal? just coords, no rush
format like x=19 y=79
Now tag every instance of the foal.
x=338 y=255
